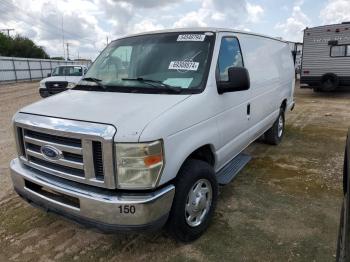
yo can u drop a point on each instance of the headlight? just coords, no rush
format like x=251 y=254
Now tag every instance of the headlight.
x=42 y=85
x=71 y=85
x=139 y=165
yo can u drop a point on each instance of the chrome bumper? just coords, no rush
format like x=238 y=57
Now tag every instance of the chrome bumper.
x=107 y=210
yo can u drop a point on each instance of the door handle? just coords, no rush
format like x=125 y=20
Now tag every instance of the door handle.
x=248 y=109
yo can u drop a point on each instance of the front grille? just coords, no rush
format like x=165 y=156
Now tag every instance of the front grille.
x=56 y=85
x=71 y=163
x=52 y=138
x=74 y=150
x=98 y=159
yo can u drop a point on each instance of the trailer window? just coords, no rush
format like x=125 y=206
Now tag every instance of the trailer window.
x=338 y=50
x=348 y=50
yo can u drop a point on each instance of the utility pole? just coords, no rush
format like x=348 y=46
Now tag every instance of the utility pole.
x=7 y=30
x=107 y=39
x=67 y=50
x=64 y=53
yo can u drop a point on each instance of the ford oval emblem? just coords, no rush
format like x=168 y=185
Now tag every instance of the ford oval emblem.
x=50 y=152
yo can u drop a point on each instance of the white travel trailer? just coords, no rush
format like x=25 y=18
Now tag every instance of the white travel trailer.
x=326 y=57
x=159 y=120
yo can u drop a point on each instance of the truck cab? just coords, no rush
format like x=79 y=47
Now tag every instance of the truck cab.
x=61 y=79
x=157 y=123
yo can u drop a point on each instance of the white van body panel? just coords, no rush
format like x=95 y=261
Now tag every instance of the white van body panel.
x=221 y=121
x=107 y=108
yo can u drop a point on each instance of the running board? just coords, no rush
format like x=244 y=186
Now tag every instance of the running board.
x=231 y=170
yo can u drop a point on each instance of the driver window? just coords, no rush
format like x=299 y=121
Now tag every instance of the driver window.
x=229 y=56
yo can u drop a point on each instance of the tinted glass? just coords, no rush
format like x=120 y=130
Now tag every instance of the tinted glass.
x=229 y=56
x=174 y=59
x=67 y=71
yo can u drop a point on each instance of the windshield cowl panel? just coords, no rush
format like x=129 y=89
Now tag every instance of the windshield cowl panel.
x=173 y=63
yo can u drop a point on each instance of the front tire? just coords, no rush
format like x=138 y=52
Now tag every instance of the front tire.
x=343 y=251
x=194 y=202
x=274 y=135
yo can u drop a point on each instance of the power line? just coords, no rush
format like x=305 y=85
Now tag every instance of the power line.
x=10 y=6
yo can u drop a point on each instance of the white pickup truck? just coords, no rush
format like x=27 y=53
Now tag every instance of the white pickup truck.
x=61 y=78
x=157 y=123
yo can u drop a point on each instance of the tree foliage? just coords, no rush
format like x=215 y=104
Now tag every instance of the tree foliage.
x=20 y=46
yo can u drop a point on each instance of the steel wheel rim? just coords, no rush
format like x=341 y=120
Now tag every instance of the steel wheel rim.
x=280 y=126
x=198 y=202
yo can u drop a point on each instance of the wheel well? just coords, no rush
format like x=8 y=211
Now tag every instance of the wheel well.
x=204 y=153
x=329 y=75
x=284 y=105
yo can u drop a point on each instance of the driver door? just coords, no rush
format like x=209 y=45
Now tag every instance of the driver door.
x=233 y=122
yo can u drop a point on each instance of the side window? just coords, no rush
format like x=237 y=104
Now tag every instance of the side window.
x=229 y=56
x=85 y=71
x=338 y=50
x=348 y=50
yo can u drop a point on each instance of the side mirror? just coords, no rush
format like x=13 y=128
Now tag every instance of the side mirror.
x=49 y=74
x=238 y=80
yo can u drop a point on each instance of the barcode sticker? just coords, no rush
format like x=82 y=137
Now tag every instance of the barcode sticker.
x=191 y=37
x=184 y=65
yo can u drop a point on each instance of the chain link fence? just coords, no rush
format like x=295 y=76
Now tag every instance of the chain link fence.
x=15 y=69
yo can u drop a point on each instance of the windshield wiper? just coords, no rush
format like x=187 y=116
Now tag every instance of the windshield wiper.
x=95 y=80
x=175 y=89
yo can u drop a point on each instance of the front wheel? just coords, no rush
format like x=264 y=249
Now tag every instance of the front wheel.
x=343 y=234
x=194 y=203
x=274 y=135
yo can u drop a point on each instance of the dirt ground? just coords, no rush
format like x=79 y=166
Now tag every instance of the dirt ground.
x=284 y=206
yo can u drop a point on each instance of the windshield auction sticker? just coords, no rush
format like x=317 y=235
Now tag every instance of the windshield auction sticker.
x=191 y=37
x=184 y=65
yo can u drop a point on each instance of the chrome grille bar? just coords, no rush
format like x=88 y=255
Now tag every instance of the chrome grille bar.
x=65 y=148
x=62 y=161
x=74 y=140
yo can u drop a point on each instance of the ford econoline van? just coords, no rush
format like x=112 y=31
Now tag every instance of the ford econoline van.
x=157 y=123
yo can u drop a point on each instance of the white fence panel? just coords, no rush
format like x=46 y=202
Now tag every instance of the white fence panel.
x=21 y=69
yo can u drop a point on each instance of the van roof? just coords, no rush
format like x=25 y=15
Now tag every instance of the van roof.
x=201 y=29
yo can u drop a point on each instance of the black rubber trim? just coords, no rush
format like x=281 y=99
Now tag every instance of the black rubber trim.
x=92 y=224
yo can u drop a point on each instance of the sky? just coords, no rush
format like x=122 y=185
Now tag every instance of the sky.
x=86 y=24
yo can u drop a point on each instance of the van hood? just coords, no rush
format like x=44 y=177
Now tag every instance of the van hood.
x=71 y=79
x=128 y=112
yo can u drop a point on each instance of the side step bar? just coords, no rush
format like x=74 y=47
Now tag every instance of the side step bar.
x=231 y=170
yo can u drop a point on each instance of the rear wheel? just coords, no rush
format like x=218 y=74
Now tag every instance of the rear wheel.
x=329 y=82
x=274 y=135
x=194 y=203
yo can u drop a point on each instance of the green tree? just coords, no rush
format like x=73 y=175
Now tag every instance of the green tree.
x=20 y=46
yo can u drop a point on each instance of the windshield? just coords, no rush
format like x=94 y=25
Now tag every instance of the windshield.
x=67 y=71
x=154 y=63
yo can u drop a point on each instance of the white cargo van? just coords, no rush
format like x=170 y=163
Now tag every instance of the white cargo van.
x=159 y=120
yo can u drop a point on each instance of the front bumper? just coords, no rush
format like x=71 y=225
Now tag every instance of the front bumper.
x=45 y=92
x=107 y=210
